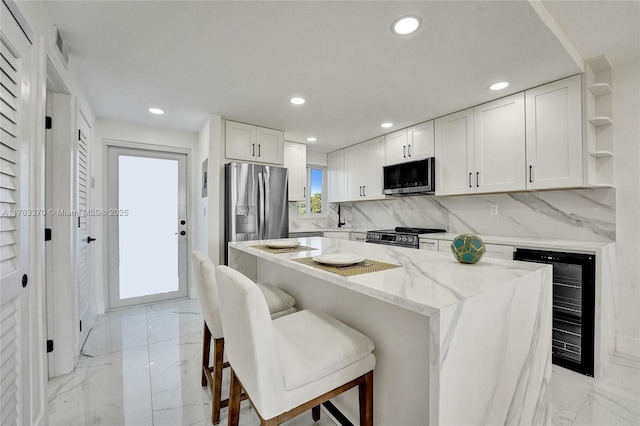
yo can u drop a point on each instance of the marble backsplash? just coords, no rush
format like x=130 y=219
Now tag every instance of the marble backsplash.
x=580 y=214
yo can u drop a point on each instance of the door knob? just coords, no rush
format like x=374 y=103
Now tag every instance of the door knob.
x=89 y=239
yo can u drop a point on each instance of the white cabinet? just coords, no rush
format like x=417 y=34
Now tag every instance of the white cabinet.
x=454 y=144
x=428 y=244
x=251 y=143
x=495 y=251
x=358 y=236
x=482 y=149
x=336 y=176
x=554 y=135
x=500 y=145
x=341 y=235
x=295 y=159
x=413 y=143
x=363 y=169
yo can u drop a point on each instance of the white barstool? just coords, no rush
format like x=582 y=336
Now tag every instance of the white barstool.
x=292 y=364
x=279 y=303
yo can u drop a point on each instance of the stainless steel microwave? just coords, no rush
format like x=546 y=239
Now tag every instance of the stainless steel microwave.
x=411 y=178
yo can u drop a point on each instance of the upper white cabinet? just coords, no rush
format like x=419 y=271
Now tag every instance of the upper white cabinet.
x=454 y=149
x=363 y=170
x=499 y=145
x=413 y=143
x=554 y=135
x=336 y=176
x=482 y=149
x=252 y=143
x=295 y=159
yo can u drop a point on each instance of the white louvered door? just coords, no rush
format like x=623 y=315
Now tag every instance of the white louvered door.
x=15 y=319
x=84 y=258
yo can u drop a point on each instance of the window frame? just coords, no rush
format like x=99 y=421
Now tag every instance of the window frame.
x=307 y=201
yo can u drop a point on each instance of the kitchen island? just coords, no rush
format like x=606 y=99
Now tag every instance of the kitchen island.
x=455 y=344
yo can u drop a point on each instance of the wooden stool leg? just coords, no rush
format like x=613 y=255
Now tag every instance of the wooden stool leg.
x=234 y=399
x=206 y=348
x=365 y=390
x=315 y=413
x=216 y=394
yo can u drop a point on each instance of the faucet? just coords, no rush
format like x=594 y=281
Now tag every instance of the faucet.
x=340 y=222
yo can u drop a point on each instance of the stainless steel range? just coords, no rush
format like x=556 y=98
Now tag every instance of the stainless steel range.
x=400 y=237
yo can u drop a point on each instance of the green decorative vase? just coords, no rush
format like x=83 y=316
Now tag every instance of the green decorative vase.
x=467 y=248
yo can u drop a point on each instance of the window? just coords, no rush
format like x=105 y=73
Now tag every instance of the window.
x=315 y=203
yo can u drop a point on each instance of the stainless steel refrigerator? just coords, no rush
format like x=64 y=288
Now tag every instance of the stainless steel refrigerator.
x=255 y=203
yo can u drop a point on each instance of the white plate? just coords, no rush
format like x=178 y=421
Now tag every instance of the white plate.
x=289 y=243
x=338 y=259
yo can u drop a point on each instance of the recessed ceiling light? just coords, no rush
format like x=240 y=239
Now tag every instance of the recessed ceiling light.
x=406 y=25
x=499 y=86
x=297 y=101
x=385 y=125
x=312 y=139
x=156 y=111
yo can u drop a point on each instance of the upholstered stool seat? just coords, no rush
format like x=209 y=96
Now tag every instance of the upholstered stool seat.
x=291 y=364
x=279 y=304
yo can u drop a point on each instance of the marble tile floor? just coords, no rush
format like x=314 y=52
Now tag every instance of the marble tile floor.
x=141 y=366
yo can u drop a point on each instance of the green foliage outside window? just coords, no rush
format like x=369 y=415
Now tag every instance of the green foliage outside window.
x=316 y=203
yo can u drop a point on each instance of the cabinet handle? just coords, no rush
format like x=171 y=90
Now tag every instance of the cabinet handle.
x=470 y=186
x=253 y=149
x=304 y=189
x=530 y=174
x=364 y=194
x=409 y=150
x=258 y=150
x=404 y=151
x=477 y=179
x=361 y=191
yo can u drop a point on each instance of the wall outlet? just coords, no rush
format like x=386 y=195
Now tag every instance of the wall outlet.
x=390 y=210
x=494 y=210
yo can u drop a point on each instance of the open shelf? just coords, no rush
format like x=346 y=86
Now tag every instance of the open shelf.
x=601 y=89
x=600 y=121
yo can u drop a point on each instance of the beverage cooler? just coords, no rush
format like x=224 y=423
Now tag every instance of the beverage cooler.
x=573 y=306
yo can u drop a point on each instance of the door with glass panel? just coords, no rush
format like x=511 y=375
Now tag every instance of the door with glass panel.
x=147 y=225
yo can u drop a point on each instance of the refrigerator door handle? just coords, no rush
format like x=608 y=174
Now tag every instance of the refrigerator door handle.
x=263 y=209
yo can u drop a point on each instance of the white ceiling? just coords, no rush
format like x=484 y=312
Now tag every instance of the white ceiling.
x=244 y=60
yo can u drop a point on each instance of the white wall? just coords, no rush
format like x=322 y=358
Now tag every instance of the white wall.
x=112 y=130
x=626 y=119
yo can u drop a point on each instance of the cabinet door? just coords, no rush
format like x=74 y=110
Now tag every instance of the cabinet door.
x=358 y=236
x=341 y=235
x=336 y=176
x=428 y=244
x=355 y=171
x=396 y=147
x=500 y=145
x=269 y=145
x=373 y=163
x=554 y=135
x=454 y=153
x=240 y=141
x=295 y=159
x=420 y=141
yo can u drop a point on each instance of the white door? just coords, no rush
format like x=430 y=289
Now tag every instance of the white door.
x=420 y=141
x=84 y=285
x=355 y=171
x=269 y=145
x=21 y=342
x=554 y=134
x=373 y=163
x=455 y=153
x=500 y=145
x=396 y=147
x=147 y=226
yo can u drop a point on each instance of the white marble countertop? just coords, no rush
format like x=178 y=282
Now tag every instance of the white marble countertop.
x=426 y=282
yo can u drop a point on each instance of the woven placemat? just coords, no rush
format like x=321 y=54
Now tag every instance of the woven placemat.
x=348 y=271
x=283 y=250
